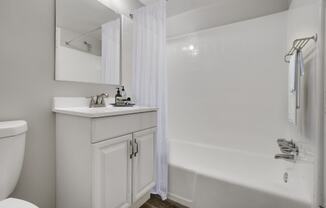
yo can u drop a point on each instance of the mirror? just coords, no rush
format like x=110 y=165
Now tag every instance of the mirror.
x=88 y=42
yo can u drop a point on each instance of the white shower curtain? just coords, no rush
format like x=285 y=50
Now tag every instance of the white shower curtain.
x=149 y=77
x=111 y=52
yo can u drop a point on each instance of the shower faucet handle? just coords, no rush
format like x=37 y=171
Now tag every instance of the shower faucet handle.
x=287 y=157
x=287 y=143
x=289 y=149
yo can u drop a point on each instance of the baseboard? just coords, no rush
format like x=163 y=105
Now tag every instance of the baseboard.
x=142 y=200
x=180 y=200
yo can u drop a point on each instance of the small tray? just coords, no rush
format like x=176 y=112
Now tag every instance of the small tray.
x=125 y=105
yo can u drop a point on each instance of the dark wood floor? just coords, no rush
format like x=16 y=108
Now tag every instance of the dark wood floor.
x=156 y=202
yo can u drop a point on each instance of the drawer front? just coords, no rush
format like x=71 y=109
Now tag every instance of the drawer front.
x=110 y=127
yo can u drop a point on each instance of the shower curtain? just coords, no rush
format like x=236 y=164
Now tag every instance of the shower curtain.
x=149 y=77
x=111 y=52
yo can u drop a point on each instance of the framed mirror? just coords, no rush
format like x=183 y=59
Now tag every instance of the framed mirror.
x=88 y=42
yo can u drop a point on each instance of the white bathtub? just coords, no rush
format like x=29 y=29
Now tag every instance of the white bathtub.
x=209 y=177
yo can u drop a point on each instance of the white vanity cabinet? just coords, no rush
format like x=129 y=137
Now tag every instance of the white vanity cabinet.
x=105 y=161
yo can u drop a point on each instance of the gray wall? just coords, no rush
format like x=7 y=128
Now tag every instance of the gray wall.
x=26 y=89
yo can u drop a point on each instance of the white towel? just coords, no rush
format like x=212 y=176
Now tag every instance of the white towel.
x=300 y=62
x=292 y=98
x=296 y=71
x=299 y=74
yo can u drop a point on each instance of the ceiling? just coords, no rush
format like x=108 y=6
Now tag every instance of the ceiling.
x=85 y=15
x=82 y=15
x=176 y=7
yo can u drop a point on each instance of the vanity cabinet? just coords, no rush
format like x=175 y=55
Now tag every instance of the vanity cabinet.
x=105 y=162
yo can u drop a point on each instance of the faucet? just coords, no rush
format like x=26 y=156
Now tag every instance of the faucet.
x=98 y=100
x=289 y=149
x=288 y=157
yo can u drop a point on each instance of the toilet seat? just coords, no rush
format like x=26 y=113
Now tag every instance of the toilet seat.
x=16 y=203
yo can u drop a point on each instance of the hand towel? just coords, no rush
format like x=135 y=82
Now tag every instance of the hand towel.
x=296 y=71
x=299 y=74
x=292 y=90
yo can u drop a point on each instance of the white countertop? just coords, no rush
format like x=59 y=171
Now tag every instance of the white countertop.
x=102 y=111
x=78 y=107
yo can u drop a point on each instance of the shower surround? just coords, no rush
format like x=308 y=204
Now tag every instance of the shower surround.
x=233 y=80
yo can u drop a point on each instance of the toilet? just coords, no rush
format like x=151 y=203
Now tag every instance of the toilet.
x=12 y=149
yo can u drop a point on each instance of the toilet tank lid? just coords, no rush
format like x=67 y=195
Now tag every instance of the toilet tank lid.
x=16 y=203
x=12 y=128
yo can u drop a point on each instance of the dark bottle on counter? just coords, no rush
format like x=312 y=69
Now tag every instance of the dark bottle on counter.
x=118 y=97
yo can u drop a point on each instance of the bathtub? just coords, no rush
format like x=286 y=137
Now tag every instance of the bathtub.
x=210 y=177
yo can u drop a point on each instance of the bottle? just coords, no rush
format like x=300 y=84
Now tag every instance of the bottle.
x=123 y=93
x=118 y=97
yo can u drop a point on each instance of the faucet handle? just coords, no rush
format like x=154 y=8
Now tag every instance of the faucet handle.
x=106 y=95
x=100 y=98
x=290 y=150
x=287 y=157
x=283 y=142
x=92 y=101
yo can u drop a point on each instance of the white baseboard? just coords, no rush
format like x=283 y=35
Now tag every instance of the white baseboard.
x=180 y=200
x=142 y=200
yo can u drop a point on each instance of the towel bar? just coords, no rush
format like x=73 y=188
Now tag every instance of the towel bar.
x=298 y=44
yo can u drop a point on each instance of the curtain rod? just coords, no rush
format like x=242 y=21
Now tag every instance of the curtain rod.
x=132 y=16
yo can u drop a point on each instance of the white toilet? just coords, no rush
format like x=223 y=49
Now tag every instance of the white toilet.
x=12 y=149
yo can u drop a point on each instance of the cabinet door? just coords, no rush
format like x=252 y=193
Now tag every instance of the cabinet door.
x=112 y=173
x=143 y=163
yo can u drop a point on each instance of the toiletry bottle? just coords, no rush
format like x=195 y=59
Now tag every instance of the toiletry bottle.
x=123 y=93
x=118 y=97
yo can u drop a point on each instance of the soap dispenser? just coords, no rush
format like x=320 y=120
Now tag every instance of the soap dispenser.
x=123 y=93
x=118 y=97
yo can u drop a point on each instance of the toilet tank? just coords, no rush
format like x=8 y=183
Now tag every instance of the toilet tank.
x=12 y=149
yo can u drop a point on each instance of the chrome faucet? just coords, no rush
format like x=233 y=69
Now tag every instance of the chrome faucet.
x=289 y=149
x=98 y=100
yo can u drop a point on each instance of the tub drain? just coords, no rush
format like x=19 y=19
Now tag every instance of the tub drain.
x=285 y=177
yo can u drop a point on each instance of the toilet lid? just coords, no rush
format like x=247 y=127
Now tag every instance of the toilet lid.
x=16 y=203
x=12 y=128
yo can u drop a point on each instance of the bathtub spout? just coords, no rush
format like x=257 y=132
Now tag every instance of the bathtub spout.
x=288 y=157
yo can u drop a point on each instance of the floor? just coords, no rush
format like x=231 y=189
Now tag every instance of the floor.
x=156 y=202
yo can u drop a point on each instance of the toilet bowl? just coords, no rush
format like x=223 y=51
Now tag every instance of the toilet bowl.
x=12 y=150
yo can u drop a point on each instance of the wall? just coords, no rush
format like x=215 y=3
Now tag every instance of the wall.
x=227 y=85
x=27 y=87
x=304 y=20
